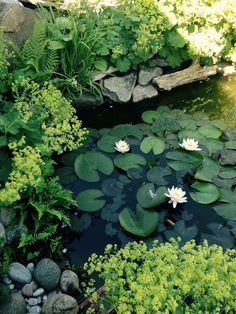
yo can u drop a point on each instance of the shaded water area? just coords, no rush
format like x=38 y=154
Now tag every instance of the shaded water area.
x=217 y=97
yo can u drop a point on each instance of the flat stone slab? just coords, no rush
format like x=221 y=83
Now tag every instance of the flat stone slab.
x=119 y=89
x=144 y=92
x=146 y=74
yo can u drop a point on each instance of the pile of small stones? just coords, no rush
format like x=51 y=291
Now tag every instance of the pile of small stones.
x=41 y=288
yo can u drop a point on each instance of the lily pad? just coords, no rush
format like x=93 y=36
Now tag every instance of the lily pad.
x=229 y=173
x=184 y=160
x=152 y=143
x=212 y=145
x=89 y=200
x=228 y=157
x=125 y=130
x=207 y=193
x=157 y=175
x=148 y=196
x=165 y=124
x=227 y=211
x=107 y=143
x=67 y=175
x=210 y=131
x=129 y=160
x=79 y=224
x=189 y=133
x=142 y=223
x=209 y=169
x=230 y=145
x=150 y=116
x=88 y=166
x=110 y=188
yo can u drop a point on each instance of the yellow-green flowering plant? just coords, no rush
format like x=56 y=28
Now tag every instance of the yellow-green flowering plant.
x=166 y=278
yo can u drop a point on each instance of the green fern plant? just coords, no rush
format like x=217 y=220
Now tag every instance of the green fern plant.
x=6 y=260
x=38 y=58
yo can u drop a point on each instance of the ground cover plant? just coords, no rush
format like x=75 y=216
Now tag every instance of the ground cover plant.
x=167 y=278
x=174 y=30
x=158 y=178
x=36 y=122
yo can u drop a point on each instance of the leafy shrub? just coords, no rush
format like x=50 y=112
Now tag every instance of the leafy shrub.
x=167 y=278
x=40 y=122
x=174 y=30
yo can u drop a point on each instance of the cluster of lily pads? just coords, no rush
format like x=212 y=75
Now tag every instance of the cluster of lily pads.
x=149 y=176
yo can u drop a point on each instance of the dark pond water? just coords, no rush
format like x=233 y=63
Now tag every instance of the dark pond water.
x=217 y=97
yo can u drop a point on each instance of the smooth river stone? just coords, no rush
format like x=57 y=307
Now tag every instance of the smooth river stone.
x=19 y=273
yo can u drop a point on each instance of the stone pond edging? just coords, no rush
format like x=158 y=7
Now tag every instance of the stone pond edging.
x=41 y=288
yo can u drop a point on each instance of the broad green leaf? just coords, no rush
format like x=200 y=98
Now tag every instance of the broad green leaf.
x=148 y=196
x=184 y=160
x=229 y=173
x=228 y=196
x=157 y=175
x=188 y=133
x=100 y=64
x=88 y=166
x=107 y=143
x=88 y=200
x=3 y=141
x=165 y=124
x=142 y=223
x=212 y=144
x=152 y=143
x=125 y=130
x=188 y=124
x=210 y=131
x=150 y=116
x=230 y=145
x=228 y=157
x=209 y=169
x=227 y=211
x=219 y=124
x=129 y=160
x=207 y=193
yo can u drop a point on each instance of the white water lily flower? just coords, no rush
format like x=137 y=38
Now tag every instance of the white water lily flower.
x=122 y=146
x=176 y=196
x=190 y=144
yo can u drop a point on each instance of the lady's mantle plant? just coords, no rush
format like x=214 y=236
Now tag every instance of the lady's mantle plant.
x=166 y=278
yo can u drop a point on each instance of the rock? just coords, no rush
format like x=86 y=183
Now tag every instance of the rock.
x=32 y=301
x=144 y=92
x=38 y=292
x=17 y=21
x=6 y=280
x=69 y=282
x=119 y=89
x=34 y=285
x=146 y=74
x=2 y=235
x=15 y=233
x=19 y=273
x=47 y=274
x=27 y=290
x=15 y=305
x=161 y=62
x=60 y=304
x=35 y=309
x=30 y=267
x=6 y=216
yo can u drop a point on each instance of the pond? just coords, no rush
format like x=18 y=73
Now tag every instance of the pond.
x=119 y=190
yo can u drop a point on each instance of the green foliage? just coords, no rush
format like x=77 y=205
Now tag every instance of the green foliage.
x=4 y=65
x=4 y=293
x=176 y=31
x=166 y=278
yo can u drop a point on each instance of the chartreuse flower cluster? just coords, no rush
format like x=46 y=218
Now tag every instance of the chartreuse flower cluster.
x=167 y=278
x=27 y=172
x=55 y=114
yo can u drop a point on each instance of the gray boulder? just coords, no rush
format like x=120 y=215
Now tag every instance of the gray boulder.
x=6 y=216
x=146 y=74
x=119 y=89
x=14 y=305
x=15 y=233
x=47 y=273
x=144 y=92
x=69 y=282
x=60 y=304
x=17 y=21
x=19 y=273
x=2 y=235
